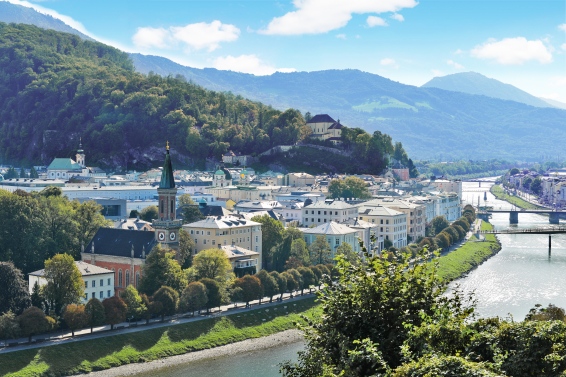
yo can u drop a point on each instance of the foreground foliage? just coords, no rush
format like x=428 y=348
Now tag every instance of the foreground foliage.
x=392 y=318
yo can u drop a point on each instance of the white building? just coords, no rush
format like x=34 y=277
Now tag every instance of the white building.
x=392 y=224
x=99 y=282
x=242 y=260
x=328 y=210
x=335 y=234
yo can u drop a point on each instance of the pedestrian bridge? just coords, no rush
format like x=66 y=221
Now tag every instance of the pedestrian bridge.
x=553 y=216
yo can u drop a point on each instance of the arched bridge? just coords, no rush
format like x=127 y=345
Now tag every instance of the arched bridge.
x=550 y=231
x=553 y=216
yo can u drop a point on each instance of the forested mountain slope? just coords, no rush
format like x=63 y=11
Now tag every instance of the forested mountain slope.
x=56 y=88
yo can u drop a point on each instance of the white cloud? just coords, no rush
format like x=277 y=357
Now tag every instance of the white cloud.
x=341 y=36
x=247 y=64
x=197 y=36
x=398 y=17
x=437 y=73
x=458 y=52
x=562 y=27
x=511 y=51
x=454 y=64
x=376 y=21
x=388 y=62
x=558 y=81
x=563 y=47
x=321 y=16
x=148 y=37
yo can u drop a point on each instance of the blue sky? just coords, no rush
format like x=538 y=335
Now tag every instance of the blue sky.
x=518 y=42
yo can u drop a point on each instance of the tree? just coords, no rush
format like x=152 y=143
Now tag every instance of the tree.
x=11 y=173
x=75 y=317
x=95 y=312
x=272 y=235
x=443 y=240
x=514 y=171
x=161 y=269
x=300 y=251
x=251 y=288
x=184 y=256
x=319 y=251
x=291 y=282
x=14 y=295
x=454 y=235
x=281 y=283
x=213 y=293
x=438 y=224
x=193 y=297
x=149 y=213
x=23 y=173
x=190 y=209
x=308 y=278
x=213 y=264
x=297 y=280
x=346 y=251
x=64 y=282
x=37 y=298
x=33 y=321
x=268 y=284
x=168 y=298
x=9 y=326
x=88 y=217
x=133 y=301
x=536 y=186
x=115 y=310
x=350 y=187
x=134 y=214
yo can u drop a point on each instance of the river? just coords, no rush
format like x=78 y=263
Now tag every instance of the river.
x=521 y=274
x=510 y=283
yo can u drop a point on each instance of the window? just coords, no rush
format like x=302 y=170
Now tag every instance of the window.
x=86 y=296
x=337 y=242
x=381 y=221
x=214 y=242
x=101 y=282
x=101 y=295
x=108 y=293
x=204 y=242
x=86 y=284
x=93 y=283
x=119 y=278
x=127 y=277
x=93 y=295
x=108 y=282
x=137 y=279
x=192 y=231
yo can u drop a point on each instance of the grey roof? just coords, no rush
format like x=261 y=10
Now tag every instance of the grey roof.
x=329 y=204
x=321 y=118
x=330 y=228
x=335 y=126
x=167 y=178
x=220 y=223
x=119 y=242
x=233 y=251
x=86 y=269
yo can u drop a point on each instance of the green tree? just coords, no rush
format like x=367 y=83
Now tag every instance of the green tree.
x=168 y=298
x=161 y=269
x=268 y=284
x=350 y=187
x=346 y=251
x=134 y=214
x=319 y=251
x=193 y=297
x=14 y=295
x=184 y=256
x=536 y=186
x=213 y=264
x=149 y=213
x=191 y=212
x=251 y=288
x=281 y=283
x=272 y=235
x=64 y=282
x=75 y=317
x=133 y=301
x=89 y=219
x=300 y=251
x=23 y=173
x=115 y=310
x=33 y=173
x=438 y=224
x=308 y=278
x=291 y=283
x=9 y=326
x=296 y=282
x=213 y=293
x=11 y=173
x=33 y=321
x=95 y=312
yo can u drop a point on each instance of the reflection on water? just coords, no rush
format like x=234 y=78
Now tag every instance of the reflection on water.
x=521 y=274
x=264 y=363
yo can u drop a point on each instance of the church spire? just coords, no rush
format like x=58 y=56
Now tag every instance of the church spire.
x=167 y=178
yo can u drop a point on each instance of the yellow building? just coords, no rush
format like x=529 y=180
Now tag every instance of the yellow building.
x=325 y=128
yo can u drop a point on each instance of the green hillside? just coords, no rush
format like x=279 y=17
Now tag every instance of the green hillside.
x=56 y=88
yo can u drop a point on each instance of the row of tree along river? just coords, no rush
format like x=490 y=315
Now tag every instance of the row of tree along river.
x=510 y=283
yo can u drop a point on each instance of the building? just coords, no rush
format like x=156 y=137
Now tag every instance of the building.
x=416 y=214
x=445 y=185
x=66 y=168
x=222 y=231
x=335 y=234
x=257 y=205
x=326 y=211
x=99 y=281
x=367 y=231
x=392 y=224
x=237 y=159
x=325 y=128
x=243 y=261
x=299 y=179
x=134 y=224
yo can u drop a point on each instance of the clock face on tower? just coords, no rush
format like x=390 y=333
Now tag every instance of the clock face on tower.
x=161 y=236
x=172 y=236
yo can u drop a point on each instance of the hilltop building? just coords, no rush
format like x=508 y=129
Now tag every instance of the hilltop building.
x=66 y=168
x=325 y=128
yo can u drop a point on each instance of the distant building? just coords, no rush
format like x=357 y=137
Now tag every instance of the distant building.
x=99 y=282
x=237 y=159
x=299 y=179
x=66 y=168
x=325 y=128
x=243 y=261
x=335 y=234
x=326 y=211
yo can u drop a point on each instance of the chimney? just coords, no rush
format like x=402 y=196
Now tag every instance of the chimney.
x=132 y=252
x=143 y=251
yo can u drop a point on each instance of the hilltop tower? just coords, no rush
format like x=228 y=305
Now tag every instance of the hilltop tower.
x=81 y=154
x=167 y=226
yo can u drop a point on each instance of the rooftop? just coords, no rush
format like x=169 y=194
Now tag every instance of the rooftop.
x=86 y=269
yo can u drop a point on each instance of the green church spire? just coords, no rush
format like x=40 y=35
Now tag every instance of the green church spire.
x=167 y=179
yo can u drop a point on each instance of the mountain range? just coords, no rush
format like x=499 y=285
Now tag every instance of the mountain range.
x=448 y=118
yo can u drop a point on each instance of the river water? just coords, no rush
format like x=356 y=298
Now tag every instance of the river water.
x=522 y=274
x=508 y=284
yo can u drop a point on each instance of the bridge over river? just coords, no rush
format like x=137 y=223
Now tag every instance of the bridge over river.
x=550 y=231
x=553 y=216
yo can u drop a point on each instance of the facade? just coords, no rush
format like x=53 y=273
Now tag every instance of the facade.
x=392 y=224
x=447 y=186
x=325 y=128
x=66 y=168
x=242 y=260
x=328 y=210
x=99 y=282
x=299 y=179
x=134 y=224
x=222 y=231
x=335 y=234
x=292 y=211
x=366 y=231
x=237 y=159
x=256 y=206
x=402 y=173
x=416 y=214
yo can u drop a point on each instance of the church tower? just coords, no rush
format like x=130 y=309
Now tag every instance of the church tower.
x=166 y=226
x=81 y=155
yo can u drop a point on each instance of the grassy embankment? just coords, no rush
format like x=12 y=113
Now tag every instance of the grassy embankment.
x=153 y=344
x=468 y=256
x=500 y=194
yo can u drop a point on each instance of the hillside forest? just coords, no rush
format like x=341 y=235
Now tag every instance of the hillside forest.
x=56 y=88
